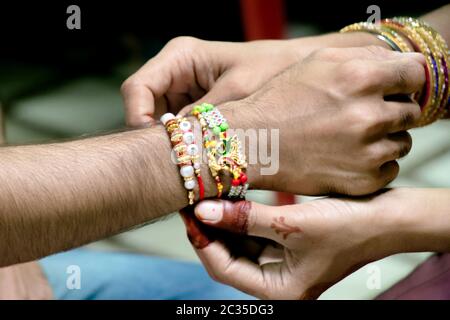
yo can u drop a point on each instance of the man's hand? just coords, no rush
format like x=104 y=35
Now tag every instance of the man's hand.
x=338 y=132
x=318 y=243
x=188 y=69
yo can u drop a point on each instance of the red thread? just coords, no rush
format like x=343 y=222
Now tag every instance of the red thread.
x=201 y=187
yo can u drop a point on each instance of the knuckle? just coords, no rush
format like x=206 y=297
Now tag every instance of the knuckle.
x=408 y=119
x=410 y=75
x=404 y=150
x=402 y=74
x=356 y=76
x=183 y=42
x=216 y=276
x=388 y=172
x=369 y=119
x=375 y=155
x=237 y=88
x=128 y=84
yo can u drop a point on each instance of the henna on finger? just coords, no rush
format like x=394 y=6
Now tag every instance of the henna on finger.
x=198 y=234
x=236 y=216
x=280 y=227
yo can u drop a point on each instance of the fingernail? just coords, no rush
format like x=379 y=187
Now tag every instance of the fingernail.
x=210 y=211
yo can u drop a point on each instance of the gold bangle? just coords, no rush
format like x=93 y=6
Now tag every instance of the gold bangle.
x=392 y=38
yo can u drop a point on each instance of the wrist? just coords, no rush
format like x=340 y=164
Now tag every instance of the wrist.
x=414 y=220
x=245 y=123
x=304 y=46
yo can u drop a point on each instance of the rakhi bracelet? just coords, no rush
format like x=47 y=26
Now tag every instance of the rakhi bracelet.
x=185 y=150
x=193 y=151
x=209 y=143
x=224 y=153
x=235 y=161
x=228 y=150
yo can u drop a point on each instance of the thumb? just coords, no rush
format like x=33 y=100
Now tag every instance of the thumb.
x=246 y=217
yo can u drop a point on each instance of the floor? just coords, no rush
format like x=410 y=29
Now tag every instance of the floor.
x=90 y=105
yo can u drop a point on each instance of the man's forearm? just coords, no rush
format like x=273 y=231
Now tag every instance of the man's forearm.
x=58 y=196
x=55 y=197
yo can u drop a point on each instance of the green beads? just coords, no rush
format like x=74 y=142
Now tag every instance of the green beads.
x=197 y=109
x=204 y=107
x=217 y=130
x=223 y=126
x=207 y=107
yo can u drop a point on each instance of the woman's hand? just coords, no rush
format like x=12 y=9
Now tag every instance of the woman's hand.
x=338 y=132
x=318 y=243
x=188 y=69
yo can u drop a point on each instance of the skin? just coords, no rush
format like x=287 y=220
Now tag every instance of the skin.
x=321 y=242
x=233 y=71
x=96 y=187
x=327 y=239
x=188 y=70
x=337 y=132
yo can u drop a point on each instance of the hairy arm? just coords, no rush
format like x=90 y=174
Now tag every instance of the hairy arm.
x=58 y=196
x=54 y=197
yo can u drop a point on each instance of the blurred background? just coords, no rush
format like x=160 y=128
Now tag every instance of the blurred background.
x=57 y=84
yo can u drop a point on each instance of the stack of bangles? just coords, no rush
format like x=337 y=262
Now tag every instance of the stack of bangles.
x=408 y=35
x=223 y=153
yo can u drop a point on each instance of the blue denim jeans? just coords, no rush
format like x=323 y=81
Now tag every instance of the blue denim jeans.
x=92 y=275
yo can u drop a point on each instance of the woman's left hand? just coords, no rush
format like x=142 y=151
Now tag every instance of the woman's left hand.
x=315 y=244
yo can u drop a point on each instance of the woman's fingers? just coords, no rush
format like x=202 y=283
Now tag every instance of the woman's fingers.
x=229 y=87
x=220 y=262
x=142 y=89
x=245 y=217
x=198 y=234
x=272 y=253
x=240 y=272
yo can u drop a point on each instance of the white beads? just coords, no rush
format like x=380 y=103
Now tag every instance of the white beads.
x=189 y=184
x=192 y=149
x=188 y=138
x=185 y=126
x=214 y=118
x=187 y=171
x=196 y=165
x=166 y=117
